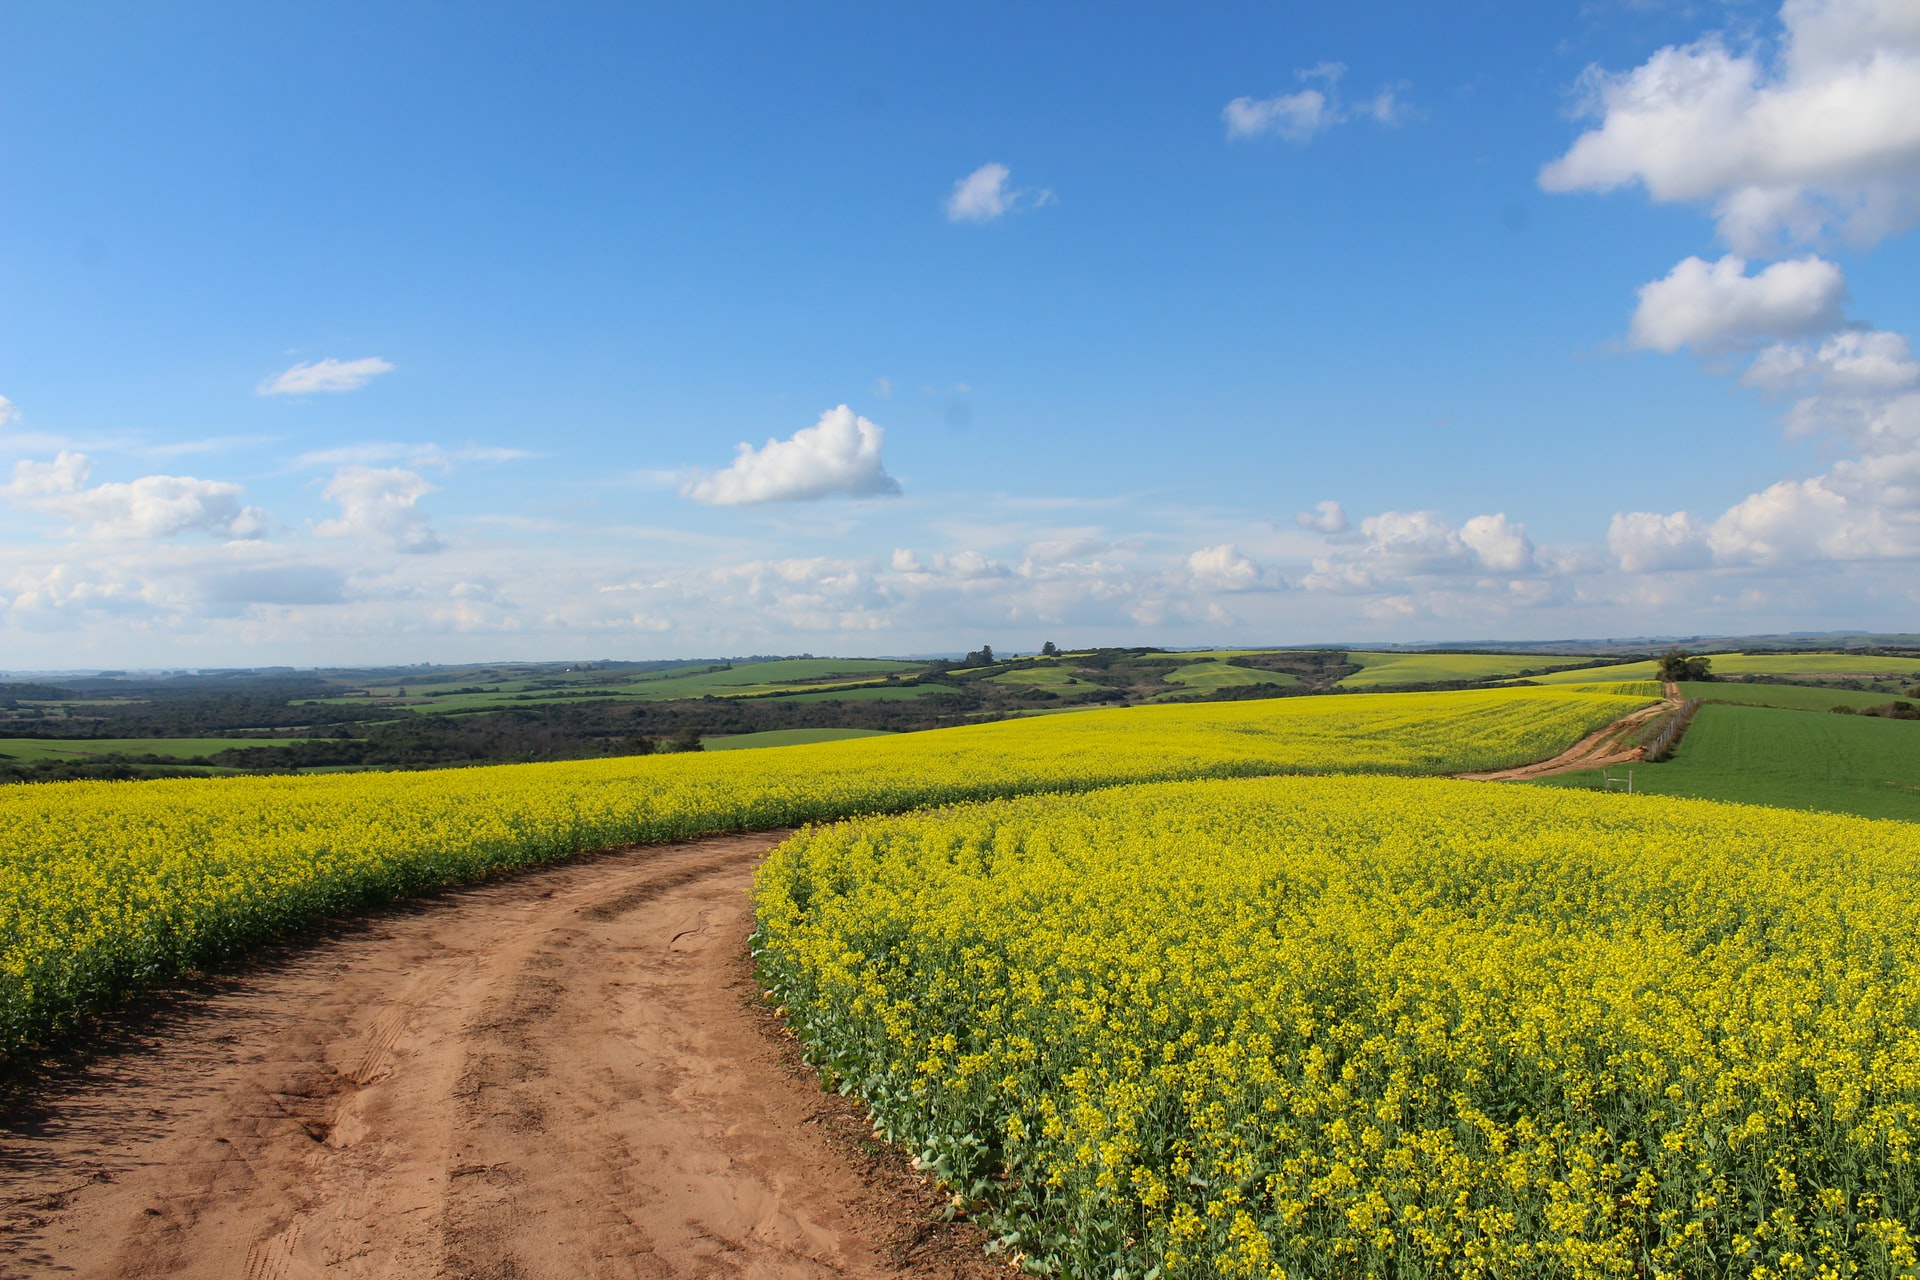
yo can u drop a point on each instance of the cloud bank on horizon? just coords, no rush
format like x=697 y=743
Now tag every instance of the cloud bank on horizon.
x=312 y=532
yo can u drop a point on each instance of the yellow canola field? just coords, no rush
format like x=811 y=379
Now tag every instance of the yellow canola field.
x=106 y=886
x=1378 y=1027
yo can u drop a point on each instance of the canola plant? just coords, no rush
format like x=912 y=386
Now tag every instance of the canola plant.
x=1378 y=1027
x=109 y=886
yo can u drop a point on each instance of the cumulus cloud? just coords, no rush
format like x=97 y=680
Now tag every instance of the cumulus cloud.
x=1223 y=568
x=1326 y=517
x=1823 y=137
x=1854 y=361
x=150 y=507
x=985 y=194
x=1396 y=546
x=1865 y=507
x=324 y=375
x=1715 y=305
x=1643 y=541
x=837 y=456
x=380 y=504
x=9 y=414
x=1303 y=115
x=1501 y=545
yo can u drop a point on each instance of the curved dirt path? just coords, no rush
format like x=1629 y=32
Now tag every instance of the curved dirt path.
x=564 y=1073
x=1608 y=745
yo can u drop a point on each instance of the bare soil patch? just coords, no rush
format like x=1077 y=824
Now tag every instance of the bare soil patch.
x=565 y=1073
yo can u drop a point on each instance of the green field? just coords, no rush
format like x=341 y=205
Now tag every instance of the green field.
x=1754 y=664
x=1431 y=668
x=1794 y=697
x=788 y=738
x=1047 y=675
x=1788 y=759
x=85 y=748
x=872 y=693
x=774 y=676
x=1648 y=670
x=1813 y=664
x=1215 y=673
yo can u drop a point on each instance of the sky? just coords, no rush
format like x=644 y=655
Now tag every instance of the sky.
x=336 y=334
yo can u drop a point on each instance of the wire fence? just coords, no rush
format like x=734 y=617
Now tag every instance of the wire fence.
x=1667 y=741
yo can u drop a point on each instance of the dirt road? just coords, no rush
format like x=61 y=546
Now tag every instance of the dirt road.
x=560 y=1074
x=1609 y=745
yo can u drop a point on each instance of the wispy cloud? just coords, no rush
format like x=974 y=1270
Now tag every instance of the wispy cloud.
x=1309 y=112
x=328 y=375
x=425 y=455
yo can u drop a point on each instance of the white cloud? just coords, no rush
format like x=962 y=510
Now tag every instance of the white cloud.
x=1223 y=568
x=837 y=456
x=1297 y=117
x=34 y=480
x=1397 y=546
x=1712 y=306
x=1501 y=545
x=380 y=504
x=1326 y=517
x=984 y=195
x=1825 y=137
x=1858 y=360
x=324 y=375
x=1645 y=542
x=149 y=507
x=9 y=413
x=1301 y=116
x=427 y=455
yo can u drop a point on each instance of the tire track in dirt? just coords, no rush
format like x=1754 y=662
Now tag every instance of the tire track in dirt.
x=559 y=1074
x=1608 y=745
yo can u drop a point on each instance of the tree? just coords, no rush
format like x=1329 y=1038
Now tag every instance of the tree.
x=1049 y=650
x=981 y=657
x=1678 y=664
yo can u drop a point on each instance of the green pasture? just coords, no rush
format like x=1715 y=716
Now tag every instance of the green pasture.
x=787 y=738
x=1794 y=697
x=1045 y=676
x=1813 y=664
x=86 y=748
x=871 y=693
x=1648 y=670
x=1216 y=673
x=777 y=675
x=1752 y=664
x=1789 y=759
x=1431 y=668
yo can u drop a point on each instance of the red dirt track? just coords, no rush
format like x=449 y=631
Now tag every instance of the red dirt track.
x=563 y=1073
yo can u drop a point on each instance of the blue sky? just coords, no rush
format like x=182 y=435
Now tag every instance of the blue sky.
x=337 y=333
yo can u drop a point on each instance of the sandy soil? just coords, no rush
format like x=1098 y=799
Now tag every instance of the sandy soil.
x=559 y=1074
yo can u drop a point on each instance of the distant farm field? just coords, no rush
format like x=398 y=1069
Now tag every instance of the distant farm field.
x=1589 y=675
x=788 y=738
x=1217 y=673
x=1431 y=668
x=1787 y=759
x=1754 y=664
x=172 y=748
x=1797 y=697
